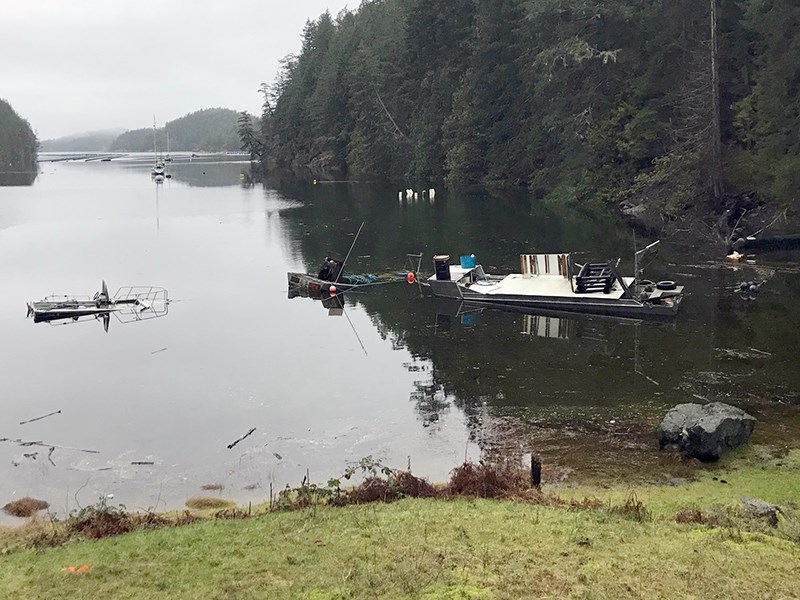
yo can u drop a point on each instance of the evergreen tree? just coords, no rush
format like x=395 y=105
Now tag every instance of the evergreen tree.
x=18 y=148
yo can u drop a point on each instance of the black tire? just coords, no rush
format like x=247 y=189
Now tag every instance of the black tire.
x=666 y=285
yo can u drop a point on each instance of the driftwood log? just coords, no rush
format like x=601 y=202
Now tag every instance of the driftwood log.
x=233 y=443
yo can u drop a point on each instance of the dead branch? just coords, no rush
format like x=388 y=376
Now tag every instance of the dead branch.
x=781 y=215
x=388 y=114
x=232 y=444
x=55 y=412
x=21 y=442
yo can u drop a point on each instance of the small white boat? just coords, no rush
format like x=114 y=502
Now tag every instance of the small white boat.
x=554 y=282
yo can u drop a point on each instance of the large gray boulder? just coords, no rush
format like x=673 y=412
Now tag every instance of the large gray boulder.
x=705 y=431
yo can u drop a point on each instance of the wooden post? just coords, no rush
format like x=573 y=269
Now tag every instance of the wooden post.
x=536 y=471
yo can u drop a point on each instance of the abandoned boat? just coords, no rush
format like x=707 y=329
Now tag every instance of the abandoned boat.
x=130 y=303
x=330 y=274
x=547 y=282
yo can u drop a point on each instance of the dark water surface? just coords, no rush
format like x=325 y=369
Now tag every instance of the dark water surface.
x=434 y=384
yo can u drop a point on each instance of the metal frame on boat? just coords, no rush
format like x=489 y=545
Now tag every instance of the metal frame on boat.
x=548 y=281
x=128 y=304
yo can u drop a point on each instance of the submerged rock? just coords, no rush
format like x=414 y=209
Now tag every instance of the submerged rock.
x=705 y=431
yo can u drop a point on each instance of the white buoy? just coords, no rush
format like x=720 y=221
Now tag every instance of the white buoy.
x=416 y=196
x=400 y=196
x=432 y=193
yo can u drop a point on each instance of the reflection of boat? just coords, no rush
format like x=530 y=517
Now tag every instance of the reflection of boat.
x=334 y=303
x=130 y=303
x=458 y=308
x=546 y=283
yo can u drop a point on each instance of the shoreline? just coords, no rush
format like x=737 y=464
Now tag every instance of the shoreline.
x=617 y=542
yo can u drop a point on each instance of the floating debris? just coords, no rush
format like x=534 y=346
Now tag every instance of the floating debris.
x=232 y=444
x=57 y=412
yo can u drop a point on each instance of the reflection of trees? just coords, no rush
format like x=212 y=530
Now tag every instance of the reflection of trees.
x=211 y=174
x=26 y=178
x=430 y=399
x=496 y=227
x=506 y=361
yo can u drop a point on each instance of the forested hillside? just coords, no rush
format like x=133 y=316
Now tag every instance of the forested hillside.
x=91 y=141
x=18 y=146
x=208 y=130
x=654 y=100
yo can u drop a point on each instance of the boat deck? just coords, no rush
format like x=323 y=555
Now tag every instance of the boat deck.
x=543 y=285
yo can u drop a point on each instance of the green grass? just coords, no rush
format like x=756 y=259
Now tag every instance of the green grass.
x=448 y=549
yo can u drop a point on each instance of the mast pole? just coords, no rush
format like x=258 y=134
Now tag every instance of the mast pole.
x=355 y=239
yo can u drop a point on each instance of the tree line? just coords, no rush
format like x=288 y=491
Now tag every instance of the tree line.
x=207 y=130
x=670 y=100
x=18 y=148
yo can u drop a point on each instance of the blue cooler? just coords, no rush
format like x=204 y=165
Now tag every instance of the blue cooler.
x=468 y=261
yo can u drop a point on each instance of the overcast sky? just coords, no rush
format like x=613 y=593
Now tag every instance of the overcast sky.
x=69 y=66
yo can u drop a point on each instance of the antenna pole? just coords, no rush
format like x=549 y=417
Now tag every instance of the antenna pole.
x=355 y=239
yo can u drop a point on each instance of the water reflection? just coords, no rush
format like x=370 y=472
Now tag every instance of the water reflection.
x=18 y=178
x=549 y=378
x=584 y=391
x=333 y=303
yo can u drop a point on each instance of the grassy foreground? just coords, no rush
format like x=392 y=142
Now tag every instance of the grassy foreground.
x=457 y=548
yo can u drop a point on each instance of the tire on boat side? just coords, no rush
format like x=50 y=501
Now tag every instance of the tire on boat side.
x=666 y=285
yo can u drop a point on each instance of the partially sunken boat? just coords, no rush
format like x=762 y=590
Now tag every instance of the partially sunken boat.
x=330 y=274
x=555 y=282
x=130 y=303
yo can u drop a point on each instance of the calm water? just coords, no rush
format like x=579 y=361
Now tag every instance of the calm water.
x=431 y=384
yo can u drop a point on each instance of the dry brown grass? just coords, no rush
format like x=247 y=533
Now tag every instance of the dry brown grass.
x=25 y=507
x=411 y=486
x=207 y=503
x=633 y=509
x=488 y=481
x=690 y=515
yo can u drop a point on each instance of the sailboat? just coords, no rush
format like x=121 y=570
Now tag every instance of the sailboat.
x=158 y=164
x=168 y=157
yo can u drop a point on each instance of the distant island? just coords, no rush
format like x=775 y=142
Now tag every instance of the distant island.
x=18 y=147
x=90 y=141
x=207 y=130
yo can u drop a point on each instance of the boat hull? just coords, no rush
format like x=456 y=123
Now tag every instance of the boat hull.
x=595 y=303
x=314 y=286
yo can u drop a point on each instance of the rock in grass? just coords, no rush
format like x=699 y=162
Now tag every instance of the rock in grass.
x=705 y=431
x=761 y=510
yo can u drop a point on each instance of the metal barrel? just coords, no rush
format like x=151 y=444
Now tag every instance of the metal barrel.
x=442 y=264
